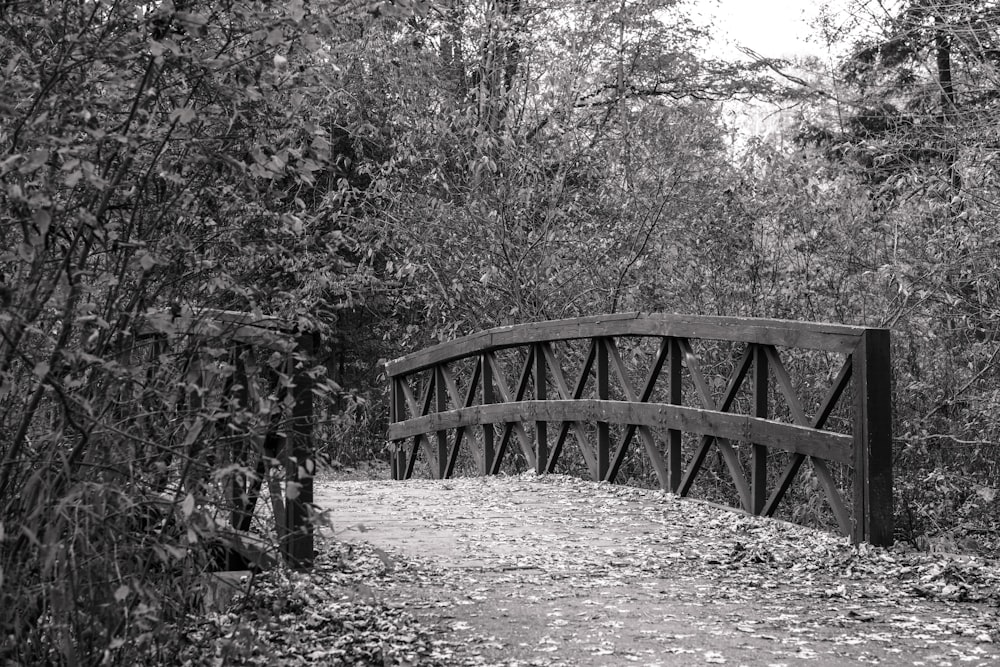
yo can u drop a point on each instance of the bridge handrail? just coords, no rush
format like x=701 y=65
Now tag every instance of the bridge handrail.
x=787 y=333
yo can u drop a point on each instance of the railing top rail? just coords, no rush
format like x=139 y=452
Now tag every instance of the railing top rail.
x=785 y=333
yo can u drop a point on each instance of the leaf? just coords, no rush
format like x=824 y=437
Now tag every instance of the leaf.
x=184 y=115
x=187 y=507
x=35 y=160
x=41 y=370
x=42 y=219
x=122 y=592
x=292 y=490
x=987 y=493
x=275 y=37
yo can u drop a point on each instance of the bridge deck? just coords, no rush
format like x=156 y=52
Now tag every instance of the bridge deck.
x=560 y=571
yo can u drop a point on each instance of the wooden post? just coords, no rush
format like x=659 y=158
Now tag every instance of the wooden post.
x=758 y=461
x=873 y=503
x=541 y=435
x=487 y=381
x=440 y=405
x=603 y=428
x=676 y=397
x=301 y=466
x=397 y=412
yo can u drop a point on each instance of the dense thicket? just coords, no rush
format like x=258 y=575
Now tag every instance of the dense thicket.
x=394 y=173
x=156 y=158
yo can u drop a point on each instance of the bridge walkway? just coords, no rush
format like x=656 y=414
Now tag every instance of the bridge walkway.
x=554 y=570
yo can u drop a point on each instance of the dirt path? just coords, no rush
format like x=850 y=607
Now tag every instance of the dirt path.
x=559 y=571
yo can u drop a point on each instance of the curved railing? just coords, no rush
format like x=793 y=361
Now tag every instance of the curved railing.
x=465 y=398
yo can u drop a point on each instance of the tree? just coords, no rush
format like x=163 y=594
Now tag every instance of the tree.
x=541 y=152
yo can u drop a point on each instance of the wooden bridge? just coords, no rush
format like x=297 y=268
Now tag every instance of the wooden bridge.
x=233 y=363
x=687 y=386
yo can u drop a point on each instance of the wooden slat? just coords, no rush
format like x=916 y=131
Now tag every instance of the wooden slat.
x=508 y=397
x=729 y=454
x=487 y=466
x=728 y=396
x=397 y=410
x=819 y=421
x=758 y=456
x=457 y=399
x=675 y=397
x=583 y=441
x=541 y=427
x=832 y=495
x=412 y=458
x=654 y=455
x=789 y=437
x=785 y=385
x=422 y=440
x=440 y=405
x=785 y=333
x=603 y=427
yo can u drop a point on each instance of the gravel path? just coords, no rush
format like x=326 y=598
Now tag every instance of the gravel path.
x=560 y=571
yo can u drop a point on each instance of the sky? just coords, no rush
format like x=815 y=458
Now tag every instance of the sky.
x=773 y=28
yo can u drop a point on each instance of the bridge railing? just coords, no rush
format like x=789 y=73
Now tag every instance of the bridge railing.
x=243 y=358
x=458 y=394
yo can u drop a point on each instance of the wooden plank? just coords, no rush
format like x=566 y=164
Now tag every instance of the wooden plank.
x=541 y=427
x=873 y=509
x=397 y=412
x=785 y=385
x=728 y=396
x=487 y=382
x=415 y=408
x=729 y=455
x=457 y=399
x=603 y=427
x=785 y=333
x=440 y=405
x=412 y=458
x=819 y=421
x=789 y=437
x=758 y=455
x=509 y=398
x=583 y=441
x=675 y=397
x=784 y=483
x=826 y=481
x=654 y=455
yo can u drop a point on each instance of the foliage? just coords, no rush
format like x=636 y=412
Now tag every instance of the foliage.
x=157 y=159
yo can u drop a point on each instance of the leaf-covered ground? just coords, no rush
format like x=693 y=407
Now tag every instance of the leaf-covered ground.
x=560 y=571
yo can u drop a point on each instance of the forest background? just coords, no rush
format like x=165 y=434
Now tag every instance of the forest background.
x=393 y=174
